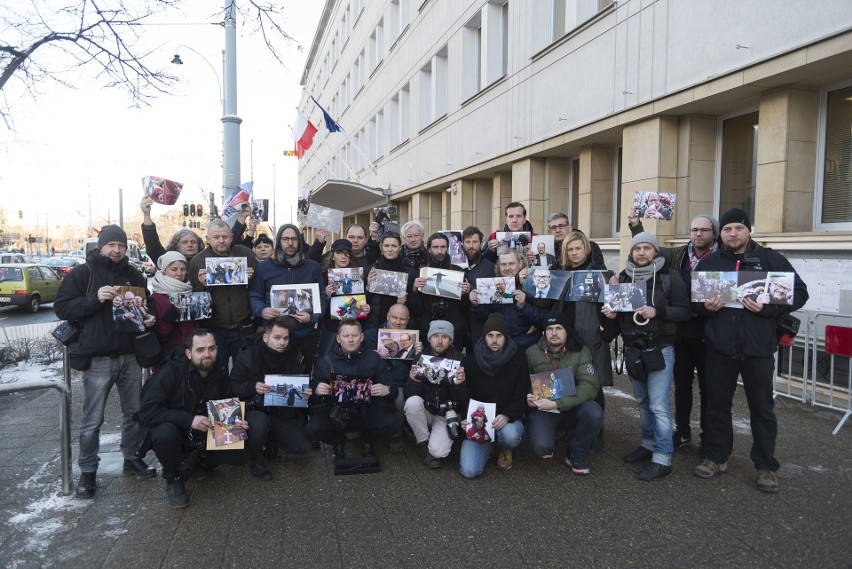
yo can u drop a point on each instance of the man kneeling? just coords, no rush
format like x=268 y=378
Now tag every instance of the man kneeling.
x=174 y=413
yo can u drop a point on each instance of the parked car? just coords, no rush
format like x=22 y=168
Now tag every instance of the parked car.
x=14 y=258
x=148 y=265
x=62 y=265
x=27 y=285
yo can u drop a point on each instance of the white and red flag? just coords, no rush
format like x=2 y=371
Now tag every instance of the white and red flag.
x=303 y=134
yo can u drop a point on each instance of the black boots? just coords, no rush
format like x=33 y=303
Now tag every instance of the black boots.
x=138 y=467
x=86 y=485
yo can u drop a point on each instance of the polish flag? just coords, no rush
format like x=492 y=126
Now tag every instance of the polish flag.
x=303 y=134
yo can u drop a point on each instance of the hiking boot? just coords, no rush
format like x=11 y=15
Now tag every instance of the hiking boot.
x=260 y=471
x=176 y=492
x=504 y=460
x=709 y=469
x=431 y=461
x=395 y=445
x=681 y=439
x=138 y=467
x=340 y=450
x=767 y=481
x=578 y=465
x=641 y=454
x=654 y=471
x=86 y=485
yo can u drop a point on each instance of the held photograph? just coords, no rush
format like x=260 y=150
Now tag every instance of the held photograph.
x=225 y=271
x=543 y=248
x=495 y=290
x=161 y=190
x=707 y=285
x=286 y=391
x=346 y=281
x=654 y=205
x=390 y=283
x=347 y=306
x=292 y=298
x=388 y=219
x=554 y=384
x=442 y=282
x=192 y=305
x=519 y=240
x=437 y=370
x=322 y=217
x=350 y=389
x=225 y=414
x=478 y=425
x=455 y=249
x=766 y=287
x=542 y=282
x=587 y=286
x=129 y=309
x=396 y=344
x=623 y=297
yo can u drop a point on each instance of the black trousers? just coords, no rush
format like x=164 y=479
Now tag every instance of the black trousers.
x=169 y=444
x=757 y=374
x=288 y=432
x=690 y=356
x=377 y=420
x=308 y=346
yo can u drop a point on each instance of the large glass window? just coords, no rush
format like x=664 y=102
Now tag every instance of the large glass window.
x=837 y=166
x=738 y=163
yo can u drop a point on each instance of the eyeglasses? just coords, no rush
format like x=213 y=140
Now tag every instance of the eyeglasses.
x=700 y=230
x=289 y=239
x=557 y=227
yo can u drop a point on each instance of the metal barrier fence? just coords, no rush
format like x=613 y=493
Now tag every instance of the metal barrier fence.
x=794 y=387
x=64 y=388
x=829 y=394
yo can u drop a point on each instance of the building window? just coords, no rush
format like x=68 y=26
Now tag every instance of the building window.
x=485 y=47
x=554 y=18
x=399 y=16
x=377 y=45
x=472 y=56
x=834 y=184
x=425 y=94
x=433 y=88
x=737 y=162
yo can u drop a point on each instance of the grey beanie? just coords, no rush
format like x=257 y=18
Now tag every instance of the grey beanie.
x=168 y=258
x=442 y=327
x=110 y=233
x=645 y=237
x=713 y=221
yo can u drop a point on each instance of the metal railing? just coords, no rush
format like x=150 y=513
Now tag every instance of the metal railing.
x=828 y=394
x=64 y=388
x=794 y=387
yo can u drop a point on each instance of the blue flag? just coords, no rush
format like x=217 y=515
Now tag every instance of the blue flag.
x=329 y=122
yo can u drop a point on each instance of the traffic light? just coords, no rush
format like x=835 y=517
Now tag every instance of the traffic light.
x=20 y=214
x=200 y=211
x=185 y=210
x=192 y=209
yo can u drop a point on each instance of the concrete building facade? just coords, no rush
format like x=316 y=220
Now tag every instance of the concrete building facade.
x=453 y=109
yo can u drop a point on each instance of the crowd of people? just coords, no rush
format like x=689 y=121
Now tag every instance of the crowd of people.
x=492 y=349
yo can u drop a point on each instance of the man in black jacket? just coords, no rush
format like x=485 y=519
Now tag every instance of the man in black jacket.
x=284 y=427
x=174 y=412
x=370 y=407
x=104 y=355
x=743 y=342
x=477 y=267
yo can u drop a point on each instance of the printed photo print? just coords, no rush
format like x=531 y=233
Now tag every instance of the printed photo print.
x=623 y=297
x=542 y=282
x=192 y=305
x=226 y=414
x=707 y=285
x=654 y=205
x=543 y=248
x=477 y=426
x=324 y=218
x=293 y=298
x=346 y=281
x=587 y=286
x=388 y=219
x=350 y=390
x=129 y=309
x=554 y=384
x=287 y=391
x=766 y=288
x=398 y=344
x=391 y=283
x=495 y=290
x=437 y=370
x=455 y=249
x=442 y=282
x=518 y=240
x=347 y=306
x=224 y=271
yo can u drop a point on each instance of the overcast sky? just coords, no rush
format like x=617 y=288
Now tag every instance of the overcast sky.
x=70 y=143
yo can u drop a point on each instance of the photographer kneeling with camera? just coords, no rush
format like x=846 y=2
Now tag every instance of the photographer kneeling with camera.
x=350 y=394
x=649 y=335
x=432 y=403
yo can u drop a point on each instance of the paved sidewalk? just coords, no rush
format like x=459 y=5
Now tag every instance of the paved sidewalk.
x=536 y=515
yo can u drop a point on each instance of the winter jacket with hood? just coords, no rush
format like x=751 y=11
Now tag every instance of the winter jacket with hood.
x=76 y=300
x=277 y=271
x=575 y=356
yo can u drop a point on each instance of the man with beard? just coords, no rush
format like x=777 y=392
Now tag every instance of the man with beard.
x=277 y=428
x=690 y=350
x=743 y=342
x=231 y=321
x=365 y=251
x=435 y=307
x=174 y=412
x=424 y=395
x=496 y=373
x=477 y=267
x=289 y=266
x=561 y=347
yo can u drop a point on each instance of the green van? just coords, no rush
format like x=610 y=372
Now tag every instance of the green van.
x=27 y=285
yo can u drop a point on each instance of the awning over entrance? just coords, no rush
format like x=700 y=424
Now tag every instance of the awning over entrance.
x=351 y=197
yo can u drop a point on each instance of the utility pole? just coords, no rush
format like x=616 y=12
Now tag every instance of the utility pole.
x=121 y=208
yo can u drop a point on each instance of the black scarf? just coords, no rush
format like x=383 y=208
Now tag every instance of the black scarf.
x=273 y=360
x=490 y=362
x=388 y=265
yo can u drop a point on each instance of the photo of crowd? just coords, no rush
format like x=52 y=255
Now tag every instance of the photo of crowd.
x=623 y=297
x=192 y=305
x=351 y=390
x=437 y=370
x=346 y=281
x=390 y=283
x=290 y=299
x=129 y=309
x=226 y=271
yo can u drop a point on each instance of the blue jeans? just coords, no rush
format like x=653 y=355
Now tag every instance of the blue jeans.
x=475 y=455
x=98 y=380
x=654 y=399
x=585 y=420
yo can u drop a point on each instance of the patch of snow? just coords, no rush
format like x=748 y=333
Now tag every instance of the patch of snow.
x=44 y=506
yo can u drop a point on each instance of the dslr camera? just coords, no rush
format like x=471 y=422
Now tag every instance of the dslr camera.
x=641 y=339
x=447 y=408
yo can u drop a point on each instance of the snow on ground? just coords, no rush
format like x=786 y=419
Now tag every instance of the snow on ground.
x=26 y=371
